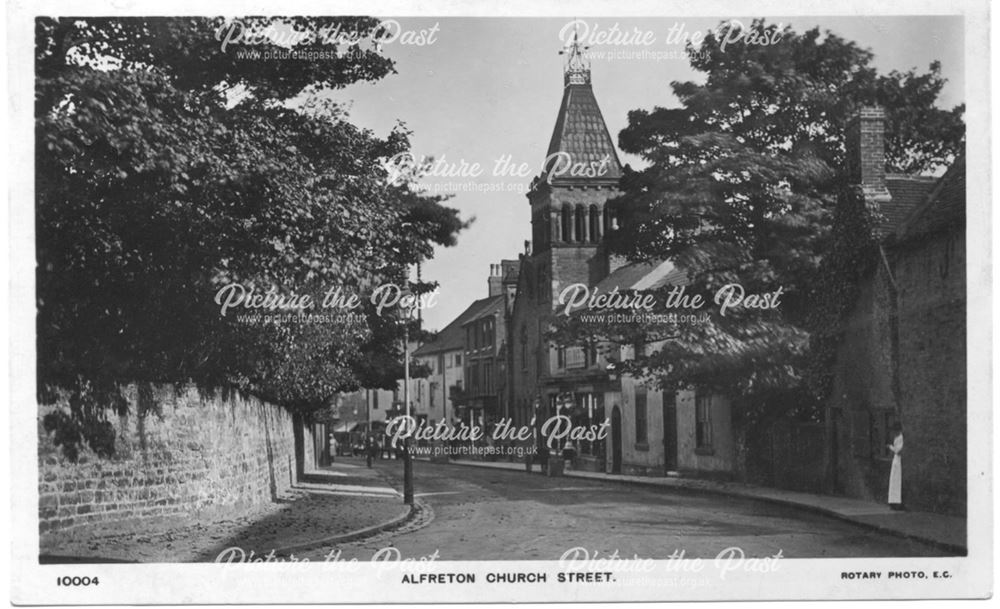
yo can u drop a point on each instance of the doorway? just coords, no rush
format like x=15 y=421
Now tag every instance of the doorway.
x=669 y=433
x=616 y=440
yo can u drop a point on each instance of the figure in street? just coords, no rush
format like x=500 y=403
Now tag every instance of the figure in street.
x=896 y=473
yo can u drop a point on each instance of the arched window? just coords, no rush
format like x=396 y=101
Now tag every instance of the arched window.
x=567 y=224
x=581 y=231
x=595 y=228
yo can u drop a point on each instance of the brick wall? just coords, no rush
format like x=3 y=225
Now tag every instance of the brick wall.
x=931 y=368
x=861 y=399
x=188 y=451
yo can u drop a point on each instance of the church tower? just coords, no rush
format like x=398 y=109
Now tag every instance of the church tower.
x=569 y=218
x=568 y=214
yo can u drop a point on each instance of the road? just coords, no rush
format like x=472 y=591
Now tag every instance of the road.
x=489 y=514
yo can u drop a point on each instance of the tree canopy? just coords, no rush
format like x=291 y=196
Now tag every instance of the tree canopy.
x=742 y=180
x=168 y=167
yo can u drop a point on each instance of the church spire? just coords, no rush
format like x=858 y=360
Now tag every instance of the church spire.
x=577 y=71
x=580 y=137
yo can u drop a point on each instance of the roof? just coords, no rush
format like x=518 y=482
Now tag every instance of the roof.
x=944 y=208
x=489 y=309
x=452 y=337
x=908 y=192
x=636 y=276
x=639 y=276
x=581 y=132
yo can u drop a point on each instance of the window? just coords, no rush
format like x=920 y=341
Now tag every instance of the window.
x=458 y=359
x=567 y=224
x=440 y=365
x=575 y=357
x=487 y=377
x=431 y=393
x=375 y=400
x=595 y=230
x=581 y=223
x=486 y=332
x=703 y=422
x=560 y=357
x=640 y=415
x=473 y=379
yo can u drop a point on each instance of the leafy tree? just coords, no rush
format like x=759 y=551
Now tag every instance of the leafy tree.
x=167 y=168
x=741 y=183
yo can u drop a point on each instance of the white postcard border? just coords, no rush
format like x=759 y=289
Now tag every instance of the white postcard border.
x=818 y=579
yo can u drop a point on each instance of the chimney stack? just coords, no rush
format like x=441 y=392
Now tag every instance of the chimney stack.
x=865 y=142
x=494 y=281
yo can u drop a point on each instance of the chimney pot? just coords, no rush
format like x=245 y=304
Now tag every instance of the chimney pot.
x=493 y=282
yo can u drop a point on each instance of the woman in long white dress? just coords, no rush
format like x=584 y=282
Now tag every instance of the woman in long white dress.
x=896 y=473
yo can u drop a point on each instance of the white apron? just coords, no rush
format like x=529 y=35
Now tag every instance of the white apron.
x=896 y=473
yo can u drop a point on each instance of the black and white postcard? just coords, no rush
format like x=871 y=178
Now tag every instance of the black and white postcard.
x=381 y=302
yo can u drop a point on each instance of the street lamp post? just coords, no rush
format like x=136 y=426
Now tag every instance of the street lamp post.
x=407 y=458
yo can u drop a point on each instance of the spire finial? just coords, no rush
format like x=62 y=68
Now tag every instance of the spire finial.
x=577 y=71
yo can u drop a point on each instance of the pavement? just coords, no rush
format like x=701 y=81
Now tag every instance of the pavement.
x=362 y=500
x=945 y=532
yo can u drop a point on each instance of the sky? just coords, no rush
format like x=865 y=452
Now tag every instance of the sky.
x=488 y=90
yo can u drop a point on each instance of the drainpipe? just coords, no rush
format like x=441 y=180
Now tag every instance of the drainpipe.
x=893 y=331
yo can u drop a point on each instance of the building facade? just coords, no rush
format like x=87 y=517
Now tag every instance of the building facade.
x=444 y=358
x=902 y=358
x=650 y=433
